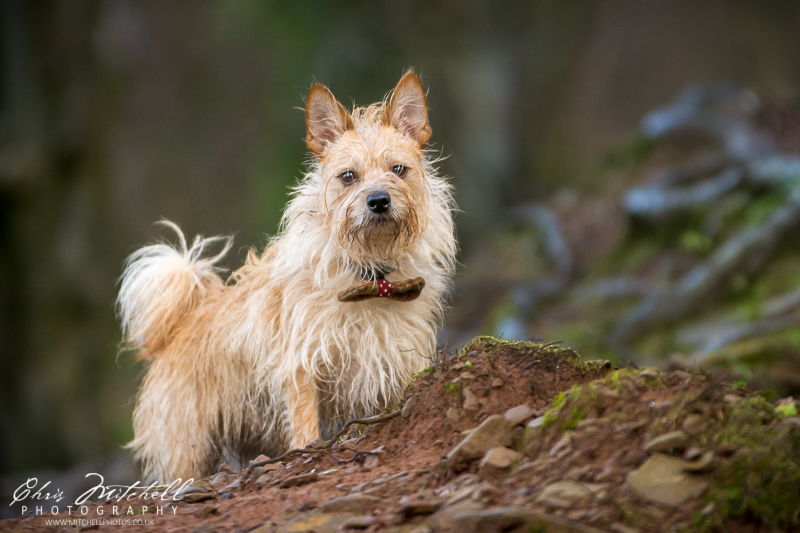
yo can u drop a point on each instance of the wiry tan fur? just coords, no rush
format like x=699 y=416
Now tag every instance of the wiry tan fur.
x=272 y=359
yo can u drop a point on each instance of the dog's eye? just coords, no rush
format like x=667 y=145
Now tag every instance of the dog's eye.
x=348 y=177
x=399 y=170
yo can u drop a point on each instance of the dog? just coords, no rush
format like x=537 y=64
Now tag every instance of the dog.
x=328 y=323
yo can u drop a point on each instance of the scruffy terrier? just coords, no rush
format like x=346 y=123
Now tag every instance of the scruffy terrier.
x=328 y=323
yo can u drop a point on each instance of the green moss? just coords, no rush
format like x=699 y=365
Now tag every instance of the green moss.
x=488 y=344
x=429 y=370
x=451 y=388
x=572 y=407
x=578 y=415
x=762 y=479
x=695 y=242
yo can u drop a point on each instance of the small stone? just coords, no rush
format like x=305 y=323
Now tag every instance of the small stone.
x=467 y=376
x=408 y=407
x=358 y=488
x=731 y=399
x=454 y=415
x=519 y=414
x=260 y=458
x=196 y=496
x=219 y=478
x=263 y=479
x=372 y=461
x=460 y=494
x=680 y=375
x=498 y=461
x=226 y=469
x=536 y=422
x=497 y=383
x=471 y=402
x=662 y=479
x=649 y=373
x=359 y=522
x=232 y=487
x=703 y=463
x=420 y=507
x=209 y=510
x=564 y=494
x=692 y=454
x=694 y=424
x=444 y=518
x=352 y=503
x=317 y=523
x=667 y=441
x=487 y=493
x=493 y=432
x=296 y=481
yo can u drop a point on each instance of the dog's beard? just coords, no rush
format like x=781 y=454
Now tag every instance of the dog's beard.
x=378 y=240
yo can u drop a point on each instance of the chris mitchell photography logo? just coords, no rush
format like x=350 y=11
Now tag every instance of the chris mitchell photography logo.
x=101 y=501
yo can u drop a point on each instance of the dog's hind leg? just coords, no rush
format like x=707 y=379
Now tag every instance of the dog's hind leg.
x=302 y=404
x=176 y=427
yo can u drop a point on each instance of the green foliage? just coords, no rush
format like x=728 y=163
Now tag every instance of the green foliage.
x=761 y=207
x=788 y=409
x=451 y=388
x=695 y=242
x=429 y=370
x=762 y=479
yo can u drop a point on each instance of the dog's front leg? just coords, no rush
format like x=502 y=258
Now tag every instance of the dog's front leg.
x=302 y=404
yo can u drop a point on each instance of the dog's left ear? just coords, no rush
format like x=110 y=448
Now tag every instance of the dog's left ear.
x=408 y=109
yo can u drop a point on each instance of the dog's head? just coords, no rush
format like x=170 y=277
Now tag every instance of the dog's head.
x=372 y=169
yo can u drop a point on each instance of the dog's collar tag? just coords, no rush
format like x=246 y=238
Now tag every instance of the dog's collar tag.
x=400 y=291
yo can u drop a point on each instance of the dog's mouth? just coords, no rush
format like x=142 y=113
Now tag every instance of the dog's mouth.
x=382 y=220
x=374 y=273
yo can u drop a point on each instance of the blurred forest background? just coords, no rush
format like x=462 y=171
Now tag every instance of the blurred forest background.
x=625 y=171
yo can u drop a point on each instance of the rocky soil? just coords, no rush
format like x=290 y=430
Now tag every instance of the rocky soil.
x=518 y=436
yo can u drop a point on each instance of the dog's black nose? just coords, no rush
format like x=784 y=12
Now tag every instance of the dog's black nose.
x=379 y=202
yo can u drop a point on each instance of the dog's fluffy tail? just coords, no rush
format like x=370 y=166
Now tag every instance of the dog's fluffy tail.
x=161 y=284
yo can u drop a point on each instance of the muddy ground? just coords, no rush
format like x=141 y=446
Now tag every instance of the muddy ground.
x=523 y=437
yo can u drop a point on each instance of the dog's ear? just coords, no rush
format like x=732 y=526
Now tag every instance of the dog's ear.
x=408 y=109
x=326 y=119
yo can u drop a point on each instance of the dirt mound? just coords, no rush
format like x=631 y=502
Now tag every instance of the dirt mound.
x=519 y=436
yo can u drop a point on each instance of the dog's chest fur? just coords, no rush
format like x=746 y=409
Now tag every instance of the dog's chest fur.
x=360 y=354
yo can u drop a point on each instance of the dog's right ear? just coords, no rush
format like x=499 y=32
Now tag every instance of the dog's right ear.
x=326 y=119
